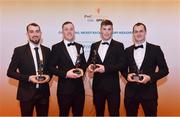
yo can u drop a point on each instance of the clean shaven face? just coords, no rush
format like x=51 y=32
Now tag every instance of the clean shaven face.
x=106 y=32
x=68 y=32
x=139 y=34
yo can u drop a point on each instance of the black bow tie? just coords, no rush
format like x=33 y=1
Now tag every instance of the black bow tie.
x=105 y=43
x=136 y=47
x=71 y=44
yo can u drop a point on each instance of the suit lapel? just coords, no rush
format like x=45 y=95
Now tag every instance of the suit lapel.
x=30 y=58
x=78 y=48
x=66 y=52
x=109 y=50
x=97 y=48
x=43 y=53
x=132 y=55
x=145 y=56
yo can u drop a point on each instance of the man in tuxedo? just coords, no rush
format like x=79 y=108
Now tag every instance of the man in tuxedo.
x=109 y=57
x=68 y=63
x=29 y=67
x=143 y=59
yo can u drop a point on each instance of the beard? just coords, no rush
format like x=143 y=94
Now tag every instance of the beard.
x=35 y=41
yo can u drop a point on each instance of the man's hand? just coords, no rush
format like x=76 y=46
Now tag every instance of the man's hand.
x=100 y=68
x=71 y=74
x=90 y=71
x=33 y=79
x=130 y=79
x=90 y=68
x=146 y=78
x=82 y=72
x=47 y=78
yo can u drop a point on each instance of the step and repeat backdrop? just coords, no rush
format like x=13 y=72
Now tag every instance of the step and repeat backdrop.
x=162 y=18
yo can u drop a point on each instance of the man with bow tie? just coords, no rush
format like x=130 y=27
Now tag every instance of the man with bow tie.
x=143 y=59
x=109 y=57
x=64 y=64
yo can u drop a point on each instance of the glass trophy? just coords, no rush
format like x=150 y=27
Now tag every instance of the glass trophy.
x=94 y=66
x=77 y=65
x=137 y=72
x=40 y=71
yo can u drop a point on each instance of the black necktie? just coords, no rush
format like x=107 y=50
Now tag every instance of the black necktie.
x=136 y=47
x=37 y=56
x=71 y=44
x=105 y=43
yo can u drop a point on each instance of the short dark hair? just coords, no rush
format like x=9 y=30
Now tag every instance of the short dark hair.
x=106 y=22
x=68 y=22
x=138 y=24
x=32 y=24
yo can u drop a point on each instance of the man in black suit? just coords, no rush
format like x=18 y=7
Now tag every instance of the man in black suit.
x=28 y=65
x=143 y=59
x=109 y=57
x=68 y=63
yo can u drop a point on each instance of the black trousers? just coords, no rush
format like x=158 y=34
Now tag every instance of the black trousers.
x=149 y=106
x=113 y=100
x=74 y=101
x=40 y=103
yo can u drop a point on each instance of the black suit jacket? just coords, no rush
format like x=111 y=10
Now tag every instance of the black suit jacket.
x=154 y=58
x=22 y=66
x=60 y=63
x=114 y=62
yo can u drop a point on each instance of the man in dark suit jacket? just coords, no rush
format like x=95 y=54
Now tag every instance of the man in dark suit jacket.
x=67 y=57
x=24 y=67
x=143 y=59
x=109 y=57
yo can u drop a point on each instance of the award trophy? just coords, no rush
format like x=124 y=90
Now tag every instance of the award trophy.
x=40 y=71
x=94 y=66
x=136 y=77
x=77 y=64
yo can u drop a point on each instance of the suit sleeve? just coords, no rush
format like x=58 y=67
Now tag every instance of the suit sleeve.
x=46 y=65
x=89 y=61
x=13 y=67
x=121 y=63
x=83 y=61
x=52 y=64
x=162 y=66
x=124 y=71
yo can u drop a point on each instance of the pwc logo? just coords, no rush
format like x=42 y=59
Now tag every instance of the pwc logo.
x=96 y=17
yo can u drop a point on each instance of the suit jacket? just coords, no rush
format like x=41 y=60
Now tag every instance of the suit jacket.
x=60 y=63
x=154 y=58
x=114 y=62
x=22 y=66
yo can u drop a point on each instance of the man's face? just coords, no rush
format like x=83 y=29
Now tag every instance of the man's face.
x=68 y=32
x=106 y=32
x=34 y=34
x=139 y=34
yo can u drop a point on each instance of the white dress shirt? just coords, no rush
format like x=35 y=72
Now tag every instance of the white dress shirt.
x=103 y=49
x=72 y=50
x=32 y=46
x=139 y=54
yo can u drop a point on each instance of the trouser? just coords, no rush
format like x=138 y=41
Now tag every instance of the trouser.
x=113 y=100
x=149 y=106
